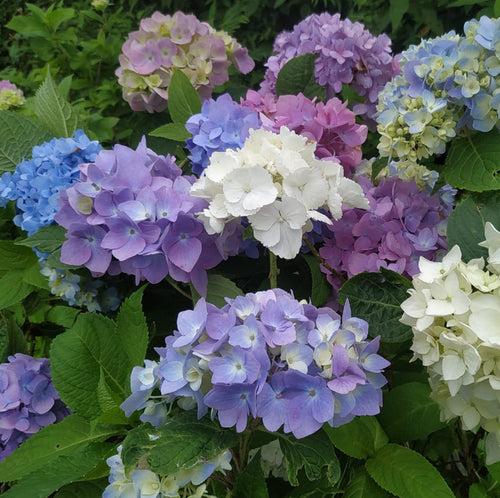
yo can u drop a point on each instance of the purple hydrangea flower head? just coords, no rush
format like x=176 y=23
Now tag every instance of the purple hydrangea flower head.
x=28 y=400
x=266 y=356
x=330 y=124
x=222 y=124
x=131 y=211
x=10 y=95
x=402 y=224
x=346 y=53
x=166 y=43
x=36 y=184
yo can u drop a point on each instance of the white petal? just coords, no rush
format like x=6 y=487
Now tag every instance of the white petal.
x=453 y=367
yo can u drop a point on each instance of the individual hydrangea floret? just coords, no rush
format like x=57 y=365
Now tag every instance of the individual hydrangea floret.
x=401 y=224
x=454 y=312
x=36 y=184
x=10 y=96
x=277 y=184
x=448 y=83
x=142 y=482
x=222 y=124
x=165 y=43
x=28 y=400
x=346 y=54
x=131 y=212
x=264 y=356
x=330 y=124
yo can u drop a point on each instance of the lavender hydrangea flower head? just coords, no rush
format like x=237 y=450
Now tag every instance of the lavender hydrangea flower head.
x=10 y=95
x=222 y=124
x=347 y=53
x=331 y=124
x=164 y=43
x=28 y=400
x=266 y=356
x=36 y=183
x=401 y=225
x=131 y=212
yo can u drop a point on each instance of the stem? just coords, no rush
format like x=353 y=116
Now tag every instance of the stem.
x=273 y=270
x=316 y=254
x=177 y=288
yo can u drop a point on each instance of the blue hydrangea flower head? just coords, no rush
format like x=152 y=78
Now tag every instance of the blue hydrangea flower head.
x=36 y=183
x=222 y=124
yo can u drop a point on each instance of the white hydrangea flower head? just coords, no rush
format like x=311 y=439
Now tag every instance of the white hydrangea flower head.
x=454 y=311
x=278 y=184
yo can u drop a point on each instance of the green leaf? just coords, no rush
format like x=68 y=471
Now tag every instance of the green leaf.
x=494 y=471
x=360 y=438
x=64 y=316
x=172 y=131
x=397 y=10
x=80 y=356
x=409 y=413
x=297 y=76
x=314 y=454
x=19 y=136
x=132 y=327
x=34 y=277
x=473 y=162
x=63 y=438
x=182 y=442
x=362 y=485
x=477 y=491
x=320 y=290
x=11 y=337
x=13 y=257
x=250 y=483
x=183 y=99
x=47 y=239
x=63 y=470
x=406 y=473
x=53 y=110
x=85 y=489
x=496 y=8
x=376 y=297
x=220 y=287
x=13 y=289
x=467 y=220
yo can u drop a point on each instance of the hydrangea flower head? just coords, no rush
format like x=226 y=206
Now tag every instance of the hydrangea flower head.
x=222 y=124
x=146 y=483
x=164 y=43
x=267 y=356
x=401 y=225
x=36 y=183
x=330 y=124
x=347 y=53
x=447 y=83
x=454 y=312
x=10 y=96
x=131 y=212
x=276 y=183
x=28 y=400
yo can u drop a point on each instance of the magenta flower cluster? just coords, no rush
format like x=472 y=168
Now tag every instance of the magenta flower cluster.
x=265 y=356
x=181 y=41
x=28 y=400
x=331 y=124
x=401 y=225
x=131 y=211
x=347 y=53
